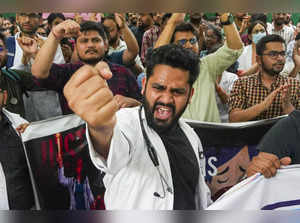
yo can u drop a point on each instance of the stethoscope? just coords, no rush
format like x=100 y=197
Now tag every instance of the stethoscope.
x=153 y=156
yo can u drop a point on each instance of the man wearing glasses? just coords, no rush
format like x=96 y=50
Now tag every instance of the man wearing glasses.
x=265 y=94
x=203 y=106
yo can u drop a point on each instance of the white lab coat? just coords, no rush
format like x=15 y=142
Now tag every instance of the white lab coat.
x=131 y=178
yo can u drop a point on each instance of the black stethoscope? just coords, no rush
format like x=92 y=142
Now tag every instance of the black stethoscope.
x=153 y=156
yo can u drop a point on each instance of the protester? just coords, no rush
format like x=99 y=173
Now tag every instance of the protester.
x=12 y=159
x=116 y=44
x=203 y=106
x=247 y=61
x=278 y=27
x=123 y=143
x=265 y=94
x=90 y=47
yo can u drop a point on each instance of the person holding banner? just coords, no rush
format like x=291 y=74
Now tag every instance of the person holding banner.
x=12 y=158
x=265 y=94
x=280 y=146
x=152 y=158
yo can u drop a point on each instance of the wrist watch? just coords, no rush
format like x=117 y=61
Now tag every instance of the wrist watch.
x=229 y=20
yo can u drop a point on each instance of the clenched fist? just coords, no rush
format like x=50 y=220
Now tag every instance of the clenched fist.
x=89 y=96
x=66 y=29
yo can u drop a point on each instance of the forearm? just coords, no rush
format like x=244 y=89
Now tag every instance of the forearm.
x=44 y=58
x=101 y=139
x=252 y=70
x=166 y=34
x=238 y=115
x=233 y=38
x=132 y=45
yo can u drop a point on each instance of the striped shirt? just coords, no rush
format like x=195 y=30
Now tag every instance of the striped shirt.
x=286 y=32
x=249 y=91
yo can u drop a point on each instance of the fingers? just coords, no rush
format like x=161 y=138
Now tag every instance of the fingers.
x=285 y=161
x=68 y=28
x=25 y=41
x=89 y=96
x=104 y=70
x=265 y=163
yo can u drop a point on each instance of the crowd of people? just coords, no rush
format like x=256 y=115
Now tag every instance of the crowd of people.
x=131 y=77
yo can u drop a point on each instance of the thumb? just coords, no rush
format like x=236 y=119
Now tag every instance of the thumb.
x=285 y=161
x=104 y=70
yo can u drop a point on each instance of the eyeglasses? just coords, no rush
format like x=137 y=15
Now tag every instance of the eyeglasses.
x=1 y=48
x=275 y=54
x=182 y=42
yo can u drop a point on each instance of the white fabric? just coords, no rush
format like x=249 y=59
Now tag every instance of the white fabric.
x=258 y=192
x=226 y=84
x=122 y=46
x=287 y=33
x=131 y=178
x=245 y=60
x=18 y=65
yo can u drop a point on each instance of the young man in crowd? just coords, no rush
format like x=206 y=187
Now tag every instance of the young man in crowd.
x=151 y=158
x=91 y=45
x=203 y=106
x=265 y=94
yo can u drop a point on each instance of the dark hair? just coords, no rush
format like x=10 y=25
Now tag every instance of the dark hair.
x=53 y=16
x=93 y=26
x=184 y=27
x=258 y=16
x=216 y=31
x=261 y=45
x=67 y=42
x=297 y=37
x=176 y=57
x=165 y=17
x=253 y=24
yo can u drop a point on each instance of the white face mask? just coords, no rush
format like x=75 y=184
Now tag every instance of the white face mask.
x=256 y=37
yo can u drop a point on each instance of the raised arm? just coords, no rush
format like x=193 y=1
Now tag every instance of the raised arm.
x=89 y=96
x=233 y=38
x=132 y=46
x=45 y=56
x=166 y=34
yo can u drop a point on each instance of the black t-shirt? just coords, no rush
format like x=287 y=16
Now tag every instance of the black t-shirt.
x=283 y=139
x=184 y=168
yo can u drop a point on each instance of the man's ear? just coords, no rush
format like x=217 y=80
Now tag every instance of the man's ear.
x=143 y=84
x=4 y=97
x=191 y=95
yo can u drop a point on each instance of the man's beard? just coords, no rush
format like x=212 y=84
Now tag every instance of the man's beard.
x=279 y=22
x=270 y=71
x=149 y=113
x=92 y=61
x=112 y=41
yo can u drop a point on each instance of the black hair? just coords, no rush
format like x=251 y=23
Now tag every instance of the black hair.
x=258 y=16
x=165 y=17
x=254 y=23
x=176 y=57
x=67 y=42
x=53 y=16
x=217 y=31
x=93 y=26
x=261 y=45
x=184 y=27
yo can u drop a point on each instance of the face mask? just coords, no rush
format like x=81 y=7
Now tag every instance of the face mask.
x=256 y=37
